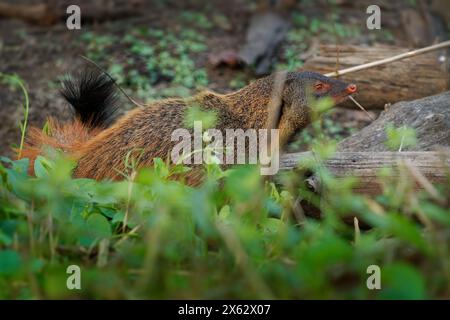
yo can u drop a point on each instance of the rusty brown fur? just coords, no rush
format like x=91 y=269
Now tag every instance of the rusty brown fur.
x=147 y=131
x=67 y=137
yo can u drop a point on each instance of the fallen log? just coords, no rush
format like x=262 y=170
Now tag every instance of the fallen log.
x=49 y=14
x=365 y=153
x=429 y=117
x=366 y=166
x=408 y=79
x=41 y=14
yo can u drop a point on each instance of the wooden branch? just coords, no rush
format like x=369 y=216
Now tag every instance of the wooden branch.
x=408 y=79
x=47 y=14
x=96 y=13
x=366 y=166
x=399 y=57
x=41 y=14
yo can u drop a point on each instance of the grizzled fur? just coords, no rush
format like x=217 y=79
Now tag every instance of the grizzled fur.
x=148 y=130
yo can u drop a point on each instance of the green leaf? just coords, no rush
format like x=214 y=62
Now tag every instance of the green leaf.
x=96 y=227
x=179 y=169
x=324 y=150
x=224 y=213
x=19 y=165
x=160 y=168
x=400 y=137
x=118 y=217
x=196 y=113
x=18 y=181
x=41 y=167
x=10 y=262
x=402 y=281
x=407 y=230
x=108 y=212
x=272 y=225
x=37 y=265
x=437 y=213
x=99 y=226
x=323 y=105
x=5 y=239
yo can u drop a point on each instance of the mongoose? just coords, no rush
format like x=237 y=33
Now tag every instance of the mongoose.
x=100 y=146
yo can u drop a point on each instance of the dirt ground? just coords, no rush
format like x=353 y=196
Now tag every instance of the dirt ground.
x=40 y=55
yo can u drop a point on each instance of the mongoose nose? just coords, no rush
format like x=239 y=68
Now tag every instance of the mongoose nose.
x=351 y=88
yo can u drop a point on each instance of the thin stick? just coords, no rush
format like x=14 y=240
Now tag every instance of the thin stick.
x=423 y=181
x=402 y=56
x=357 y=230
x=361 y=107
x=15 y=79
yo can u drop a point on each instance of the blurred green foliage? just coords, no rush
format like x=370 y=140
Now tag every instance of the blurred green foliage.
x=400 y=138
x=14 y=81
x=152 y=57
x=323 y=29
x=235 y=236
x=305 y=29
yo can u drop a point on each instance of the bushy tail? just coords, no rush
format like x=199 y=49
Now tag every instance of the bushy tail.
x=93 y=100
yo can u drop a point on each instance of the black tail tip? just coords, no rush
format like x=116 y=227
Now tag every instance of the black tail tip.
x=93 y=97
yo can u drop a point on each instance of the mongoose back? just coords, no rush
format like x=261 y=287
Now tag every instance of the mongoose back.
x=100 y=145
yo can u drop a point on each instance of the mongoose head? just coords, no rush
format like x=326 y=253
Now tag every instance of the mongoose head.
x=300 y=90
x=306 y=86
